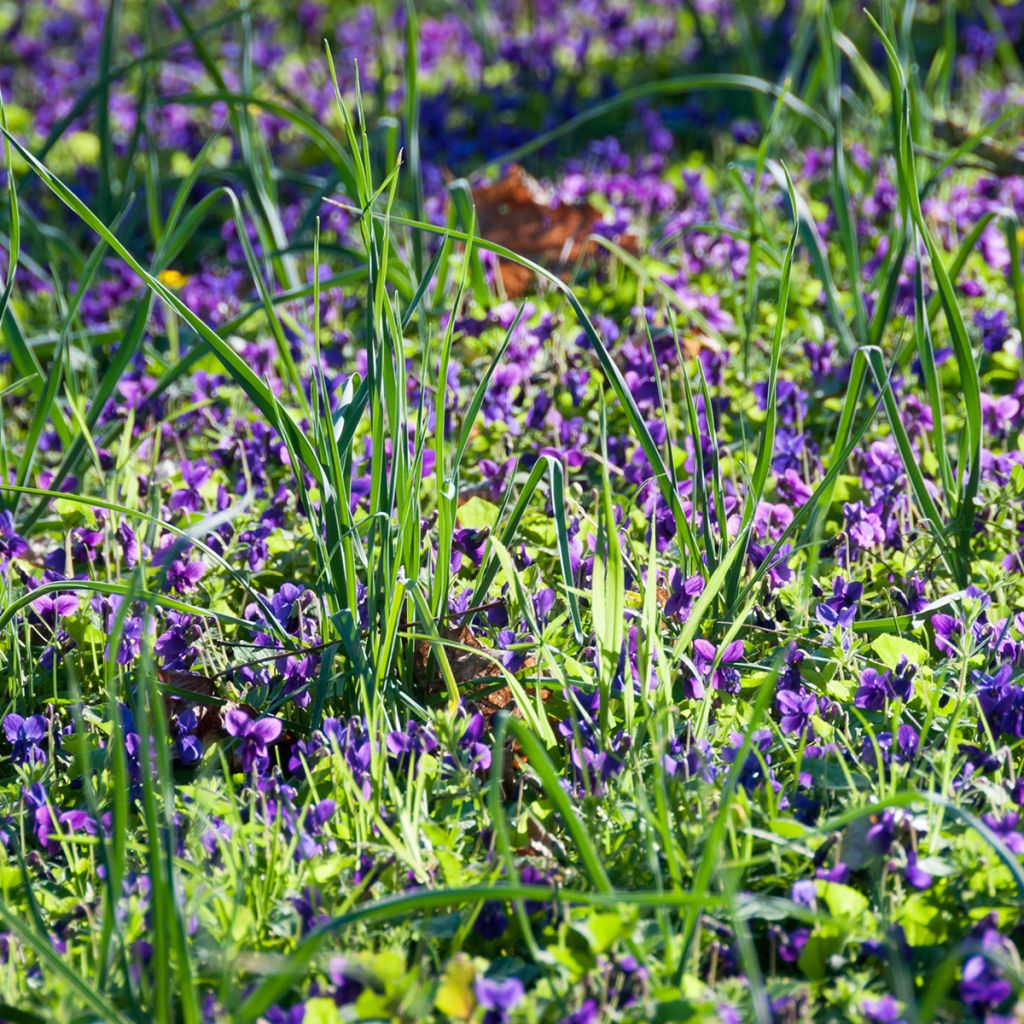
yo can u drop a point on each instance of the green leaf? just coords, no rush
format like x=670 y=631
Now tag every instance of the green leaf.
x=890 y=647
x=604 y=930
x=321 y=1011
x=478 y=514
x=825 y=942
x=843 y=902
x=607 y=598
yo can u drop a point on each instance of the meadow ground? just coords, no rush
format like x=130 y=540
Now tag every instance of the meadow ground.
x=516 y=515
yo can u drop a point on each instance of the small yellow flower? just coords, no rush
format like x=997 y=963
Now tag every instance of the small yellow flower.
x=172 y=278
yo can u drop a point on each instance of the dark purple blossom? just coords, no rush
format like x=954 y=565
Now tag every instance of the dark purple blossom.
x=256 y=734
x=795 y=711
x=27 y=737
x=183 y=575
x=498 y=997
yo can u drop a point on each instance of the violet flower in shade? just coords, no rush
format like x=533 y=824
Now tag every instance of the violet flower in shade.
x=789 y=1007
x=85 y=545
x=900 y=748
x=543 y=602
x=48 y=825
x=255 y=735
x=130 y=645
x=792 y=488
x=994 y=328
x=724 y=677
x=531 y=875
x=882 y=833
x=901 y=679
x=907 y=741
x=350 y=739
x=982 y=985
x=790 y=448
x=476 y=754
x=789 y=945
x=12 y=544
x=286 y=602
x=176 y=644
x=820 y=357
x=841 y=608
x=790 y=677
x=627 y=978
x=910 y=595
x=838 y=873
x=584 y=707
x=311 y=829
x=469 y=543
x=26 y=736
x=498 y=997
x=507 y=642
x=406 y=746
x=916 y=876
x=292 y=1015
x=491 y=922
x=882 y=1011
x=756 y=769
x=132 y=549
x=1005 y=827
x=790 y=400
x=187 y=746
x=188 y=499
x=348 y=980
x=588 y=1012
x=778 y=572
x=1002 y=703
x=184 y=574
x=51 y=607
x=686 y=759
x=872 y=693
x=593 y=766
x=682 y=594
x=219 y=833
x=947 y=631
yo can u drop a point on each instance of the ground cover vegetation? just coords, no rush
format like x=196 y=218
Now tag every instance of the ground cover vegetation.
x=511 y=512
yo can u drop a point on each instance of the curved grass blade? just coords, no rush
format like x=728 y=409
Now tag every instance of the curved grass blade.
x=969 y=469
x=258 y=392
x=926 y=356
x=712 y=845
x=819 y=258
x=405 y=905
x=664 y=87
x=766 y=452
x=491 y=565
x=58 y=966
x=121 y=590
x=22 y=356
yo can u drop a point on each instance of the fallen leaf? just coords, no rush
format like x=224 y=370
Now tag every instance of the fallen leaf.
x=465 y=665
x=516 y=212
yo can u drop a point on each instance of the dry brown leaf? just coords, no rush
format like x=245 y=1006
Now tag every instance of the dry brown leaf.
x=465 y=665
x=516 y=213
x=208 y=705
